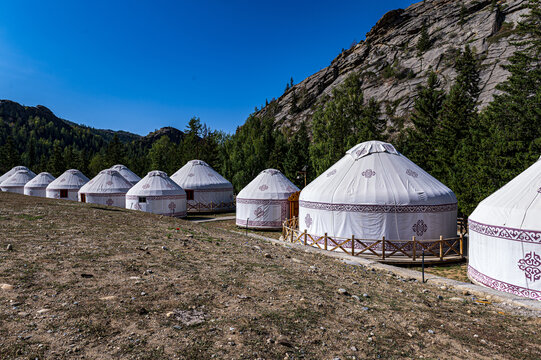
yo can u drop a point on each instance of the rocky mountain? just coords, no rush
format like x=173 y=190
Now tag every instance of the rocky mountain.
x=402 y=47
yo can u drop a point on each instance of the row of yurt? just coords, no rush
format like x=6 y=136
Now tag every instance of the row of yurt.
x=15 y=182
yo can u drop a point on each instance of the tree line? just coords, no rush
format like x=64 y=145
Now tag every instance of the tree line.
x=473 y=152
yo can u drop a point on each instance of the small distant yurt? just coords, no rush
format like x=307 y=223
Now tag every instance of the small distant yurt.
x=15 y=182
x=263 y=203
x=156 y=193
x=38 y=185
x=13 y=171
x=375 y=191
x=106 y=188
x=206 y=190
x=127 y=173
x=505 y=237
x=67 y=185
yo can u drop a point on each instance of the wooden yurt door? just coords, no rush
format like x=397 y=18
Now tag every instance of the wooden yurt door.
x=294 y=204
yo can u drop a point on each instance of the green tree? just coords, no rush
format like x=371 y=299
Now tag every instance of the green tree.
x=161 y=155
x=56 y=163
x=424 y=42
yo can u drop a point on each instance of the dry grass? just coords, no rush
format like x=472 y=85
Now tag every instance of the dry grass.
x=112 y=291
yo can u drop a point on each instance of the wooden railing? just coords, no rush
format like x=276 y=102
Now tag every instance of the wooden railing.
x=380 y=248
x=210 y=207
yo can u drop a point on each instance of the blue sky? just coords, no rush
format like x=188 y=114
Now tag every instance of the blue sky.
x=141 y=65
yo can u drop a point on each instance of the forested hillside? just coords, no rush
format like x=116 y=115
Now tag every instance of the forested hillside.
x=472 y=149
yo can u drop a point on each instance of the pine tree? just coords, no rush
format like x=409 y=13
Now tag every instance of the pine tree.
x=425 y=114
x=423 y=44
x=56 y=161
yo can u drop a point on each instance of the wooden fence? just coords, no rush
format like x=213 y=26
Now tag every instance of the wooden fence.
x=199 y=207
x=380 y=248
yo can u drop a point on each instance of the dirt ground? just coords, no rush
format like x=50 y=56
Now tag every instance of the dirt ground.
x=91 y=282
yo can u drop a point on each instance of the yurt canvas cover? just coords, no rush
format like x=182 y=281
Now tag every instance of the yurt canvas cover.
x=505 y=237
x=13 y=171
x=67 y=185
x=106 y=188
x=156 y=193
x=38 y=185
x=263 y=203
x=15 y=183
x=127 y=173
x=375 y=191
x=206 y=190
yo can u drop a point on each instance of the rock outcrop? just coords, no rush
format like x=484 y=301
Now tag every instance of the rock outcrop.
x=391 y=65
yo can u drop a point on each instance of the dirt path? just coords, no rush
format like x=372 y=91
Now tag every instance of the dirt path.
x=97 y=282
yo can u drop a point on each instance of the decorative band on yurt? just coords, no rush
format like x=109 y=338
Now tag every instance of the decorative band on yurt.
x=501 y=285
x=506 y=233
x=155 y=197
x=365 y=208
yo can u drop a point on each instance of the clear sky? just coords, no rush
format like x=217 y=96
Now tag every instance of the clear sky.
x=140 y=65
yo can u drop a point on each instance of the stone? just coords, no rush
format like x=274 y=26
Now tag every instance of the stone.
x=164 y=248
x=366 y=296
x=108 y=298
x=343 y=291
x=356 y=297
x=443 y=288
x=6 y=287
x=457 y=299
x=169 y=314
x=268 y=256
x=440 y=297
x=353 y=348
x=43 y=311
x=9 y=247
x=431 y=331
x=177 y=327
x=466 y=292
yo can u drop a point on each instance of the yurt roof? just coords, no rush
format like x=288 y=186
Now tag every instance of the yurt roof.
x=13 y=171
x=127 y=173
x=41 y=180
x=269 y=184
x=374 y=172
x=197 y=174
x=156 y=183
x=70 y=179
x=108 y=181
x=19 y=178
x=516 y=205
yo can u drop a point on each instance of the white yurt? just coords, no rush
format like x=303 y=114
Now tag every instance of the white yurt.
x=156 y=193
x=505 y=237
x=38 y=185
x=106 y=188
x=15 y=182
x=67 y=185
x=127 y=173
x=375 y=191
x=206 y=190
x=13 y=171
x=263 y=203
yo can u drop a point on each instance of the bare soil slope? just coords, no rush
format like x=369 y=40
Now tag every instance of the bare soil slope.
x=85 y=281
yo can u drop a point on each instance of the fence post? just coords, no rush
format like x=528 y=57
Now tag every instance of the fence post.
x=352 y=245
x=441 y=247
x=383 y=248
x=414 y=247
x=292 y=234
x=325 y=241
x=305 y=236
x=461 y=245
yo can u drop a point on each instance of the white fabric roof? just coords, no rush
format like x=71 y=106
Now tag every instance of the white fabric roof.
x=197 y=174
x=19 y=178
x=41 y=180
x=517 y=204
x=127 y=173
x=156 y=183
x=269 y=184
x=108 y=181
x=70 y=179
x=375 y=191
x=13 y=171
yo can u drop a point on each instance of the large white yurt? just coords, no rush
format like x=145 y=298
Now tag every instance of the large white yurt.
x=67 y=185
x=375 y=191
x=263 y=203
x=15 y=182
x=156 y=193
x=13 y=171
x=127 y=173
x=505 y=237
x=106 y=188
x=38 y=185
x=206 y=190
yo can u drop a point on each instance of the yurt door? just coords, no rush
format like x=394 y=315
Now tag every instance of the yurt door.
x=83 y=198
x=294 y=204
